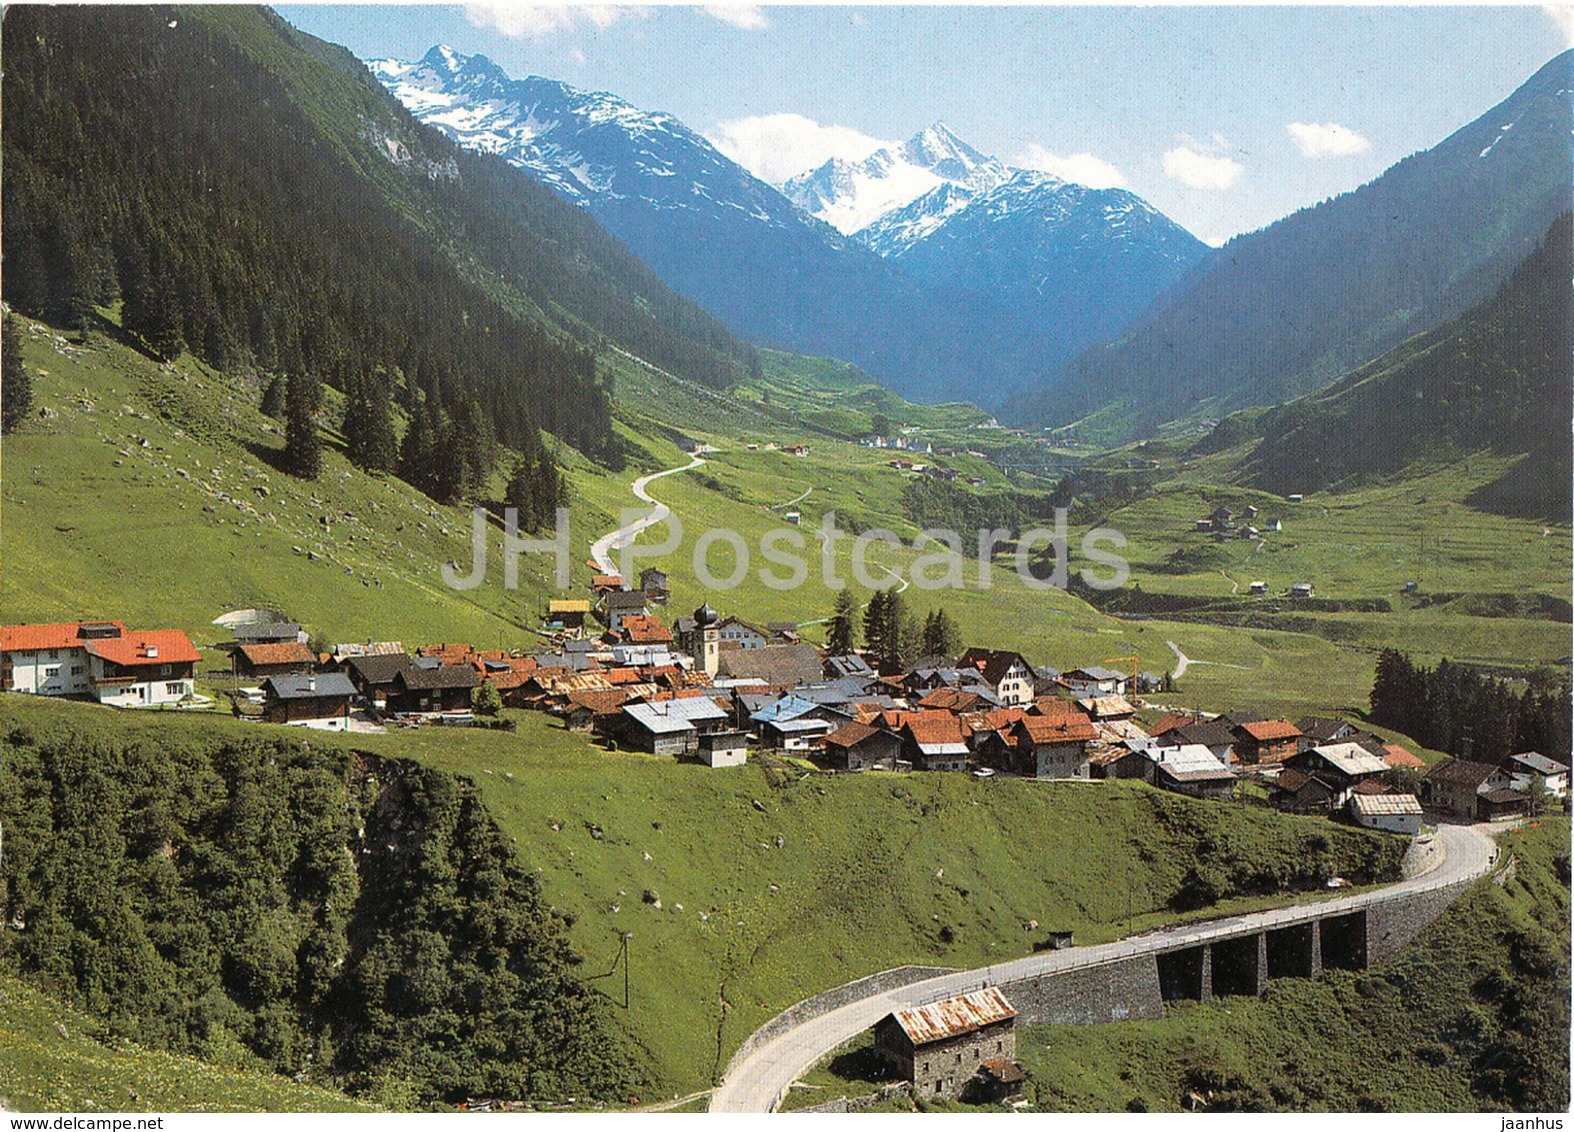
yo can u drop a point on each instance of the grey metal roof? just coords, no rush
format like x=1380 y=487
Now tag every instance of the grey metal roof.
x=320 y=686
x=1384 y=805
x=1351 y=759
x=1538 y=763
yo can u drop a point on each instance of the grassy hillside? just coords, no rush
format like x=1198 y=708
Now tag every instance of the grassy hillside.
x=929 y=868
x=55 y=1058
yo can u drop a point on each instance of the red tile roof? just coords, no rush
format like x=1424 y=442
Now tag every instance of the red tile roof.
x=1396 y=756
x=66 y=635
x=1058 y=729
x=151 y=646
x=645 y=630
x=934 y=727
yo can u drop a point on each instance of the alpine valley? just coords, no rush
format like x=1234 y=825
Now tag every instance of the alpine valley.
x=918 y=265
x=308 y=804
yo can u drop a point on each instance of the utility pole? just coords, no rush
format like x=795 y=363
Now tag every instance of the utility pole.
x=626 y=937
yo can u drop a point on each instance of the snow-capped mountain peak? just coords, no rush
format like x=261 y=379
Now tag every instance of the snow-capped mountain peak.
x=852 y=195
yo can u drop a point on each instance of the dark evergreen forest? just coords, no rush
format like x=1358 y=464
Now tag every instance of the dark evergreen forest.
x=251 y=195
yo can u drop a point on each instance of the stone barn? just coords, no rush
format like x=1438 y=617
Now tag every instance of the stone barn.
x=940 y=1048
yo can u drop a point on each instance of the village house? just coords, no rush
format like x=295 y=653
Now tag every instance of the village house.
x=319 y=701
x=782 y=666
x=1462 y=788
x=724 y=748
x=1107 y=708
x=803 y=735
x=849 y=666
x=933 y=740
x=428 y=686
x=102 y=660
x=1209 y=733
x=939 y=1048
x=654 y=584
x=1052 y=746
x=373 y=676
x=1398 y=758
x=262 y=632
x=1259 y=742
x=603 y=584
x=1096 y=682
x=646 y=630
x=621 y=604
x=584 y=709
x=282 y=658
x=1191 y=770
x=568 y=614
x=858 y=746
x=670 y=727
x=1316 y=730
x=345 y=650
x=1301 y=590
x=1525 y=769
x=1393 y=813
x=1298 y=791
x=1341 y=765
x=736 y=633
x=1008 y=675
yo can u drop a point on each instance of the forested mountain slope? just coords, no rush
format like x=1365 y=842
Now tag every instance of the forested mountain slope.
x=1499 y=377
x=1283 y=310
x=253 y=195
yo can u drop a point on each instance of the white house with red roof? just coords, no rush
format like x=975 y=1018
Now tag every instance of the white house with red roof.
x=100 y=659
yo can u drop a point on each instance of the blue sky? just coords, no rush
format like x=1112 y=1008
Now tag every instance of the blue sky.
x=1225 y=118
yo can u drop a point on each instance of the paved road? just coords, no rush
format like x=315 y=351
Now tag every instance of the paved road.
x=601 y=550
x=759 y=1081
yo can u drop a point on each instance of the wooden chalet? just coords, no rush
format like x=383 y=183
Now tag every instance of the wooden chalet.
x=858 y=746
x=282 y=658
x=320 y=701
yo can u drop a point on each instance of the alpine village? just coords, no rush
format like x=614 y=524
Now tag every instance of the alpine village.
x=305 y=805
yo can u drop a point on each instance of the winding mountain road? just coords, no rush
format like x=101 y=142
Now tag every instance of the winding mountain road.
x=757 y=1080
x=601 y=550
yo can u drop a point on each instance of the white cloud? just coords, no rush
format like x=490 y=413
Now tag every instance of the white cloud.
x=1200 y=170
x=775 y=147
x=1327 y=139
x=1563 y=16
x=1078 y=168
x=745 y=16
x=536 y=21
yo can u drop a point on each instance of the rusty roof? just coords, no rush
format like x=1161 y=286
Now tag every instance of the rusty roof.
x=953 y=1017
x=1267 y=730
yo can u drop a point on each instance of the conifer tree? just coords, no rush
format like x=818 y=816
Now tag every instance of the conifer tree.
x=939 y=634
x=839 y=634
x=368 y=425
x=417 y=453
x=273 y=399
x=302 y=446
x=16 y=385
